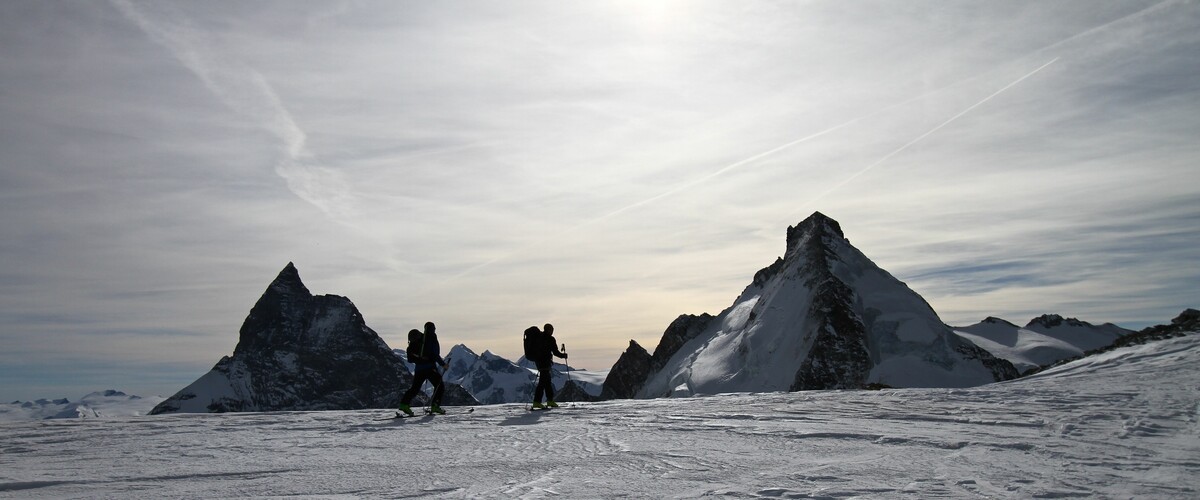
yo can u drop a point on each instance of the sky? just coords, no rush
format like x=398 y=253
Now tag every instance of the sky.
x=602 y=166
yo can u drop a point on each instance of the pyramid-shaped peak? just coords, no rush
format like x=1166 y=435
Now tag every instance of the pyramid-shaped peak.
x=289 y=279
x=462 y=348
x=289 y=273
x=816 y=227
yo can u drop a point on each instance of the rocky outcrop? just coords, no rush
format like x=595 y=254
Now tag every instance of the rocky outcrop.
x=573 y=392
x=685 y=328
x=628 y=374
x=839 y=358
x=1188 y=322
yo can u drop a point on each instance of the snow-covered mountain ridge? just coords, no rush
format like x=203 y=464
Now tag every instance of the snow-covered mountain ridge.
x=100 y=404
x=823 y=316
x=1045 y=340
x=493 y=379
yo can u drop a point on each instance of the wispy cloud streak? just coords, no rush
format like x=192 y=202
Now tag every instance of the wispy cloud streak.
x=248 y=93
x=921 y=137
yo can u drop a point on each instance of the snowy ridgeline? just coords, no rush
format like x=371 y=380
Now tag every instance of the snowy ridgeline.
x=1043 y=342
x=493 y=379
x=100 y=404
x=1122 y=424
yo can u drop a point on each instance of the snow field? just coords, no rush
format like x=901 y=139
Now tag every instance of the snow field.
x=1122 y=424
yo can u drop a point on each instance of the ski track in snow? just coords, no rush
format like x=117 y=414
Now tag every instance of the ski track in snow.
x=1122 y=424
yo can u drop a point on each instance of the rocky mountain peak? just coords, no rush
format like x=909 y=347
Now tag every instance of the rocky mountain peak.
x=297 y=351
x=816 y=228
x=992 y=320
x=1188 y=319
x=286 y=286
x=821 y=317
x=1053 y=320
x=629 y=373
x=809 y=243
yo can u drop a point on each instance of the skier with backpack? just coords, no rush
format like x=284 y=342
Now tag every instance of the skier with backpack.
x=425 y=352
x=539 y=347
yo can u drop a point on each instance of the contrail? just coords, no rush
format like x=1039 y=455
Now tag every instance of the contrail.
x=664 y=194
x=722 y=170
x=922 y=136
x=751 y=159
x=247 y=92
x=558 y=235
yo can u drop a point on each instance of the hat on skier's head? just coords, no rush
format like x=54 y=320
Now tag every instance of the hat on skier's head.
x=549 y=328
x=414 y=335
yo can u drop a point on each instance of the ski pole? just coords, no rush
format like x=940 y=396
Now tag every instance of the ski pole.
x=566 y=363
x=441 y=375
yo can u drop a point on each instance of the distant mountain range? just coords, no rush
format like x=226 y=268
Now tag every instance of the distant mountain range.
x=822 y=316
x=100 y=404
x=298 y=351
x=1045 y=340
x=493 y=379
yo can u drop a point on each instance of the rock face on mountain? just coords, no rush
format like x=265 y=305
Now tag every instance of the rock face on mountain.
x=297 y=351
x=628 y=375
x=823 y=316
x=1187 y=323
x=573 y=392
x=635 y=365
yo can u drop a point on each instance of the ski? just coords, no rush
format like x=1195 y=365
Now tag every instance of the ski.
x=424 y=413
x=547 y=408
x=397 y=416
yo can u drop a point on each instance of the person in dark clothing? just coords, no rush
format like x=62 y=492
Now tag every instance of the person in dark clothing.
x=544 y=347
x=425 y=352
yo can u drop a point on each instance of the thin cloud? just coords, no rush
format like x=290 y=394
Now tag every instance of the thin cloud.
x=248 y=93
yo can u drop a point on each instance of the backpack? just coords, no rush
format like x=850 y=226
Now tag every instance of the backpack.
x=415 y=341
x=533 y=338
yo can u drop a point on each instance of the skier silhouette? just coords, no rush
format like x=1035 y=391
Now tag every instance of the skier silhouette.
x=425 y=352
x=539 y=347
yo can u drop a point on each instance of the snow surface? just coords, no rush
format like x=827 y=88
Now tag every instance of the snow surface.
x=1122 y=424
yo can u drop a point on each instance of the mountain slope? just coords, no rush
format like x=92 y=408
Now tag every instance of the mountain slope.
x=823 y=316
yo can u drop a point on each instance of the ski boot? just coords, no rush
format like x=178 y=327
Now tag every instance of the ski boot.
x=436 y=409
x=406 y=409
x=551 y=404
x=537 y=405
